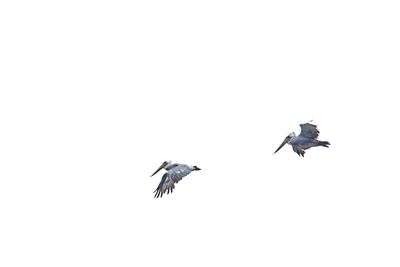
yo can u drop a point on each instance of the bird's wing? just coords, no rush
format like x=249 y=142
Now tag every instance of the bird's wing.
x=309 y=130
x=170 y=178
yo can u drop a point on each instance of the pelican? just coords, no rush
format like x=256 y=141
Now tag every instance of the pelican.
x=307 y=138
x=175 y=173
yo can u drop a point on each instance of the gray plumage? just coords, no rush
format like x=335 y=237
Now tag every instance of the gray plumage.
x=175 y=173
x=307 y=138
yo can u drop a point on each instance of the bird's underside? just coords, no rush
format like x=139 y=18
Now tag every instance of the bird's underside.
x=301 y=144
x=298 y=150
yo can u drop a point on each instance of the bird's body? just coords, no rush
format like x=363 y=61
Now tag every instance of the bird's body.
x=306 y=139
x=175 y=173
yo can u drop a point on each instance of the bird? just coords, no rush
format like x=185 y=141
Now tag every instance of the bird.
x=307 y=138
x=175 y=173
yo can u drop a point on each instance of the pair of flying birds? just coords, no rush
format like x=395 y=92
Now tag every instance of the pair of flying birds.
x=175 y=172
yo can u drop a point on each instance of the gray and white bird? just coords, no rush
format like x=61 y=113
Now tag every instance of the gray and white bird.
x=307 y=138
x=175 y=173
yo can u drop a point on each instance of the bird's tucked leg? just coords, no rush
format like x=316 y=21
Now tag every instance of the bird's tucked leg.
x=299 y=151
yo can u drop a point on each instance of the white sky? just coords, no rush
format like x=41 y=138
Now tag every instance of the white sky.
x=95 y=95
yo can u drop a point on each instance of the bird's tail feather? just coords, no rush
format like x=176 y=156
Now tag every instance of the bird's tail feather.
x=324 y=143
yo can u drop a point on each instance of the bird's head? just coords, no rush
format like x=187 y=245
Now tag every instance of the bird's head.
x=286 y=140
x=162 y=166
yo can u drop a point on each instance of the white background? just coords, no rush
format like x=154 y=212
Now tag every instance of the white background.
x=95 y=95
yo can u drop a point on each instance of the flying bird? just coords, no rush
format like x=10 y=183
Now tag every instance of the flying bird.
x=175 y=173
x=307 y=138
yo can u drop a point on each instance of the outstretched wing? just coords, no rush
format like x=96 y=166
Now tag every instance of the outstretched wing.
x=170 y=178
x=309 y=130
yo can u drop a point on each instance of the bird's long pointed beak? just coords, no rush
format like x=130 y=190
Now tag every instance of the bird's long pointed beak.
x=159 y=168
x=283 y=143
